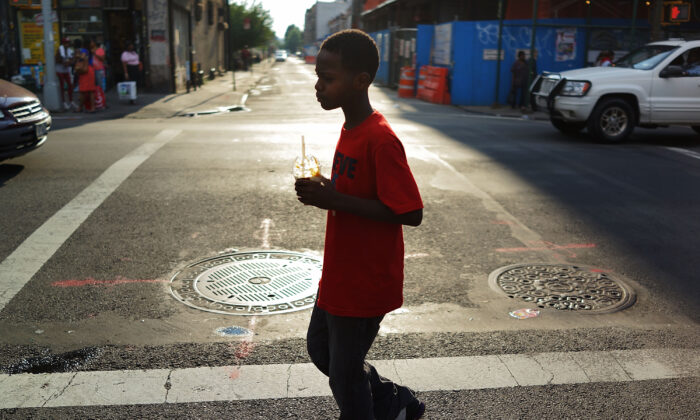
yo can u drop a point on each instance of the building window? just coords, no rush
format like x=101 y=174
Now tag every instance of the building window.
x=210 y=12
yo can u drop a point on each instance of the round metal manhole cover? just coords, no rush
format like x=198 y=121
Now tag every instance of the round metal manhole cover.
x=563 y=286
x=250 y=283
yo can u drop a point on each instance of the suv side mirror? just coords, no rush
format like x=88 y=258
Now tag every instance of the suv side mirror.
x=672 y=71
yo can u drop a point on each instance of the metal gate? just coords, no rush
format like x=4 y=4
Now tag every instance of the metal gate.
x=181 y=48
x=403 y=53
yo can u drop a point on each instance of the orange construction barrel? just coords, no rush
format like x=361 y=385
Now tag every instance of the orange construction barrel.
x=407 y=82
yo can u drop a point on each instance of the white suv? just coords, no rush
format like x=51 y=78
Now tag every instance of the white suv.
x=655 y=85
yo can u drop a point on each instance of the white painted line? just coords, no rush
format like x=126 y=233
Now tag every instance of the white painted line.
x=686 y=152
x=254 y=382
x=20 y=266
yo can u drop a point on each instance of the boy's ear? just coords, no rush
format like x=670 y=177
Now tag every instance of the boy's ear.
x=362 y=81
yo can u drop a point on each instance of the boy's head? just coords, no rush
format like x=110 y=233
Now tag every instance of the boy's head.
x=346 y=65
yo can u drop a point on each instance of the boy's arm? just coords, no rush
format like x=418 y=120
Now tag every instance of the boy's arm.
x=321 y=194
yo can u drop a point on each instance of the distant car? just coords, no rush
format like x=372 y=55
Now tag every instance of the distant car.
x=24 y=122
x=280 y=55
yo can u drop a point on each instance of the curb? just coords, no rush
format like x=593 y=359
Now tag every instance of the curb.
x=534 y=116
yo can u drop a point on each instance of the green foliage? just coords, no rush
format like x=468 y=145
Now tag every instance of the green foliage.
x=292 y=39
x=260 y=32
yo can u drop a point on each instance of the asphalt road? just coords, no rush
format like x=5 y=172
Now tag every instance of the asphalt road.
x=497 y=192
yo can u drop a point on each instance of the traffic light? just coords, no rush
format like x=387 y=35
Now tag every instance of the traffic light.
x=676 y=12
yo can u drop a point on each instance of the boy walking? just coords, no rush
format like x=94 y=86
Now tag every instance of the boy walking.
x=370 y=195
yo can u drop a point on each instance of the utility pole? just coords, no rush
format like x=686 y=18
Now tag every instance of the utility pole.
x=657 y=14
x=356 y=10
x=501 y=13
x=531 y=63
x=51 y=100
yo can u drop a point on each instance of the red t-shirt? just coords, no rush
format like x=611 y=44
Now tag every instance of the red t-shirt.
x=363 y=259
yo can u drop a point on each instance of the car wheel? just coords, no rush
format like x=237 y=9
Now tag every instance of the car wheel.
x=612 y=120
x=696 y=128
x=567 y=127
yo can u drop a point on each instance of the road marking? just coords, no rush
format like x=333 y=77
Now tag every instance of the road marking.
x=253 y=382
x=18 y=268
x=686 y=152
x=265 y=233
x=549 y=246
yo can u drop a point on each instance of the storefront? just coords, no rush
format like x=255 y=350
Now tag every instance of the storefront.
x=112 y=24
x=27 y=41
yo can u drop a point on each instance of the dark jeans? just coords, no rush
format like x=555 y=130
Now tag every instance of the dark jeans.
x=338 y=346
x=134 y=74
x=515 y=98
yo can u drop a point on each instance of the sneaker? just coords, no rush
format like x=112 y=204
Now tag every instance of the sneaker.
x=412 y=411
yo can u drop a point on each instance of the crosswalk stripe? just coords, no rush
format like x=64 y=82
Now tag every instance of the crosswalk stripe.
x=18 y=268
x=229 y=383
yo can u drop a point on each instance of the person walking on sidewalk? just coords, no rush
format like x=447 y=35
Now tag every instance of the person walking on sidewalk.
x=370 y=195
x=64 y=65
x=518 y=85
x=131 y=64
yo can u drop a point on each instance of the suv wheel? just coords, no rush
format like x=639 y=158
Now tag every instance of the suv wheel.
x=696 y=128
x=612 y=120
x=567 y=127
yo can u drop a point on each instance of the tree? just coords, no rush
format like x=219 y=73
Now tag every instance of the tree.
x=292 y=38
x=251 y=25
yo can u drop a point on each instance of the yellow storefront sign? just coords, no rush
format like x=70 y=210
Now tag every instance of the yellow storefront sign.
x=32 y=41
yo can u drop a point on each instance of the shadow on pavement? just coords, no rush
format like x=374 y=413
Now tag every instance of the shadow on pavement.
x=636 y=197
x=9 y=171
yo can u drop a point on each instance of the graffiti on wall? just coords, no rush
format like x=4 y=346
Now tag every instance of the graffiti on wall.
x=514 y=38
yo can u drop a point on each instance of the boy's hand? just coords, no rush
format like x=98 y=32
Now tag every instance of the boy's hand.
x=318 y=192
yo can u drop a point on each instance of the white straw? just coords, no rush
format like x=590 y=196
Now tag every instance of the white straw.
x=303 y=156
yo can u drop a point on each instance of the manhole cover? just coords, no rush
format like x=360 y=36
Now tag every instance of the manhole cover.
x=563 y=286
x=250 y=283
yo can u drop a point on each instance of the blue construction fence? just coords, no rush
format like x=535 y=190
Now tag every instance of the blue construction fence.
x=383 y=41
x=471 y=51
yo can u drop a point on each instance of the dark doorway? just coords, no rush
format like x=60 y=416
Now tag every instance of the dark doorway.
x=121 y=30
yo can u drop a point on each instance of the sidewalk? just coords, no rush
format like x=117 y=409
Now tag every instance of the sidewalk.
x=210 y=96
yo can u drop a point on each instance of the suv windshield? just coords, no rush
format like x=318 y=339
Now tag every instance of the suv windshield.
x=646 y=57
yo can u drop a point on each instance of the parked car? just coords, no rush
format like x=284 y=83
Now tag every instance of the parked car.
x=656 y=85
x=281 y=55
x=24 y=122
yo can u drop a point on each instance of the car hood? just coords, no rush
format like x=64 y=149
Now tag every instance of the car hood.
x=598 y=73
x=11 y=94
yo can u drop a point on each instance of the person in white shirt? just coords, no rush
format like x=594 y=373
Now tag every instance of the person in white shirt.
x=64 y=64
x=131 y=63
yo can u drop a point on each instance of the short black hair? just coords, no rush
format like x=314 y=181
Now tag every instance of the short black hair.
x=358 y=51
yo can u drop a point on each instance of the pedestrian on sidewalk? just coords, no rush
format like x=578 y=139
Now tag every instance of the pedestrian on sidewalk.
x=131 y=64
x=97 y=59
x=64 y=65
x=245 y=56
x=518 y=84
x=371 y=193
x=86 y=82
